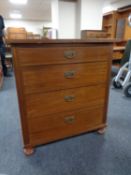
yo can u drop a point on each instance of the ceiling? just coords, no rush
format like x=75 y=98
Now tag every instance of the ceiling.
x=38 y=10
x=33 y=10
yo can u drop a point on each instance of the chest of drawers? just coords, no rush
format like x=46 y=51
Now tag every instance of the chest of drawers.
x=62 y=88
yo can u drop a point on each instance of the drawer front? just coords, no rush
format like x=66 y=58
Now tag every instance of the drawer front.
x=57 y=126
x=62 y=55
x=56 y=77
x=87 y=116
x=65 y=100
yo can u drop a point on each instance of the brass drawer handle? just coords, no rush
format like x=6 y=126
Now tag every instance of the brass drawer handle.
x=69 y=74
x=70 y=119
x=69 y=98
x=69 y=54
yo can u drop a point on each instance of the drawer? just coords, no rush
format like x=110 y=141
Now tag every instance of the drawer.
x=65 y=100
x=62 y=55
x=65 y=124
x=87 y=116
x=56 y=77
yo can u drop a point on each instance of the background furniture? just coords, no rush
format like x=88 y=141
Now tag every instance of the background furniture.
x=16 y=33
x=62 y=87
x=85 y=34
x=124 y=58
x=109 y=23
x=123 y=14
x=115 y=23
x=20 y=33
x=30 y=35
x=118 y=52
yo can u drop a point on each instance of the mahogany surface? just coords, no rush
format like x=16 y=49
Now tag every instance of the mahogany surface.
x=62 y=87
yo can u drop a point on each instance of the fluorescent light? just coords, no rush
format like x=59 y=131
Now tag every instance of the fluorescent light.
x=15 y=15
x=18 y=1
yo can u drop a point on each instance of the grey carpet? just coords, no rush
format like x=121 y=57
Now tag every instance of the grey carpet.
x=88 y=154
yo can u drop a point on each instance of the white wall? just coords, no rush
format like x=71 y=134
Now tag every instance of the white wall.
x=91 y=14
x=55 y=14
x=78 y=19
x=55 y=18
x=31 y=26
x=114 y=5
x=67 y=20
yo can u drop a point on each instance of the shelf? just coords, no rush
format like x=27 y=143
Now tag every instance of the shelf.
x=108 y=33
x=108 y=25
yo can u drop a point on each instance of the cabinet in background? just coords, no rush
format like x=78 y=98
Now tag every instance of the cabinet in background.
x=109 y=23
x=86 y=34
x=116 y=23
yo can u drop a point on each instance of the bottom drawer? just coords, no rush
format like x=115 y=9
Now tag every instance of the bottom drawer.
x=57 y=126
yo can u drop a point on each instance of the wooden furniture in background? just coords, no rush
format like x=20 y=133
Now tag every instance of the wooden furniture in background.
x=36 y=36
x=118 y=52
x=62 y=88
x=20 y=33
x=120 y=28
x=86 y=34
x=123 y=13
x=109 y=23
x=16 y=33
x=116 y=23
x=31 y=35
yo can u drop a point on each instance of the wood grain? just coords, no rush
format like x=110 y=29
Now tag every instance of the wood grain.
x=62 y=86
x=53 y=102
x=56 y=77
x=46 y=55
x=49 y=128
x=84 y=116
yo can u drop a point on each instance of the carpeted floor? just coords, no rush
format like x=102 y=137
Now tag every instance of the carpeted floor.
x=88 y=154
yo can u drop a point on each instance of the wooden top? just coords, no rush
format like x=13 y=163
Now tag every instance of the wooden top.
x=125 y=8
x=59 y=41
x=109 y=13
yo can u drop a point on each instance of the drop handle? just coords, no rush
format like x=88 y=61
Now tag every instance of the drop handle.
x=69 y=98
x=69 y=119
x=69 y=54
x=69 y=74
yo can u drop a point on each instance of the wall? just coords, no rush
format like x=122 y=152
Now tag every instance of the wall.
x=67 y=19
x=55 y=18
x=31 y=26
x=91 y=14
x=78 y=19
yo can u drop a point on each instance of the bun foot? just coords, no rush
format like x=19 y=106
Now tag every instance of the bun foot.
x=28 y=151
x=101 y=131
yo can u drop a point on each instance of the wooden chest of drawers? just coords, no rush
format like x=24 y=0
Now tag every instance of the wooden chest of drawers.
x=62 y=87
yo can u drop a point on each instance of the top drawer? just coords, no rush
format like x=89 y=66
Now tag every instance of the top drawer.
x=62 y=55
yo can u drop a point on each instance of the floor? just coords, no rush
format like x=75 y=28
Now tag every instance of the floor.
x=88 y=154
